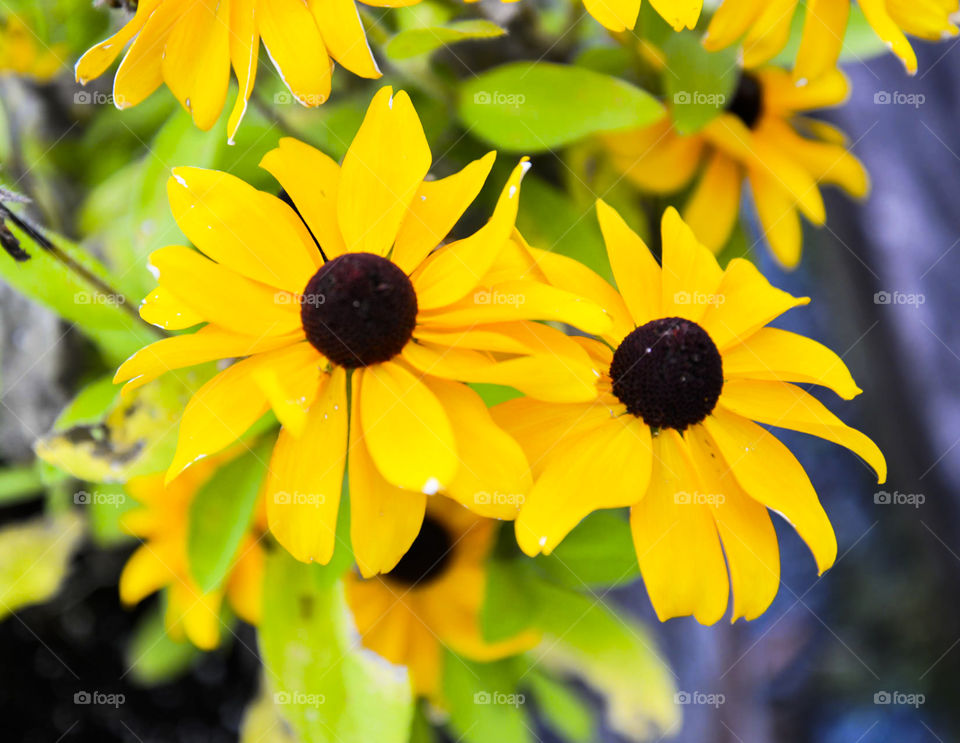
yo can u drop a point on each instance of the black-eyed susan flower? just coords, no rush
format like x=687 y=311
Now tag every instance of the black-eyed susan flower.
x=358 y=331
x=431 y=600
x=691 y=377
x=765 y=27
x=22 y=53
x=191 y=45
x=160 y=563
x=761 y=139
x=621 y=15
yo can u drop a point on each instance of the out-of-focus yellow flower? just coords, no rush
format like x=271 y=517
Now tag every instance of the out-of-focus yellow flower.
x=162 y=521
x=22 y=53
x=621 y=15
x=432 y=599
x=691 y=375
x=760 y=138
x=765 y=28
x=349 y=312
x=192 y=44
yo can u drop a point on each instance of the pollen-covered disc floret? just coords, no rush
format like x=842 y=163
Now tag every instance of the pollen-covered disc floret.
x=359 y=309
x=668 y=372
x=427 y=557
x=747 y=102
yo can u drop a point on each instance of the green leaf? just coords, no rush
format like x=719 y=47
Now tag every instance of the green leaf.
x=483 y=701
x=105 y=507
x=220 y=515
x=34 y=559
x=327 y=687
x=89 y=404
x=598 y=553
x=152 y=656
x=563 y=710
x=416 y=41
x=613 y=654
x=20 y=483
x=509 y=605
x=699 y=84
x=535 y=106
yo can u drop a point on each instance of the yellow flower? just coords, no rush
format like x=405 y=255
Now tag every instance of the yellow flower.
x=359 y=341
x=191 y=44
x=621 y=15
x=765 y=28
x=760 y=138
x=432 y=599
x=689 y=371
x=160 y=562
x=21 y=53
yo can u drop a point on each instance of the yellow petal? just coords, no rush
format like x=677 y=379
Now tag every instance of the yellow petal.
x=771 y=353
x=435 y=209
x=450 y=273
x=207 y=344
x=311 y=180
x=305 y=476
x=249 y=231
x=493 y=478
x=714 y=205
x=381 y=172
x=614 y=15
x=823 y=31
x=779 y=220
x=887 y=29
x=634 y=268
x=244 y=54
x=245 y=584
x=291 y=384
x=771 y=475
x=406 y=429
x=747 y=533
x=223 y=297
x=676 y=540
x=679 y=13
x=296 y=49
x=97 y=59
x=608 y=467
x=785 y=405
x=769 y=33
x=731 y=21
x=745 y=303
x=655 y=158
x=140 y=73
x=146 y=571
x=384 y=519
x=164 y=310
x=691 y=275
x=343 y=33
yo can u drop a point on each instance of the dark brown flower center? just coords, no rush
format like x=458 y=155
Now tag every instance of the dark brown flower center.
x=668 y=372
x=428 y=556
x=747 y=102
x=359 y=309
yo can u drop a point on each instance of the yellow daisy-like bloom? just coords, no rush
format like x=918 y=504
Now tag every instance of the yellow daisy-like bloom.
x=765 y=28
x=358 y=333
x=688 y=372
x=621 y=15
x=760 y=138
x=21 y=53
x=160 y=562
x=432 y=599
x=192 y=44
